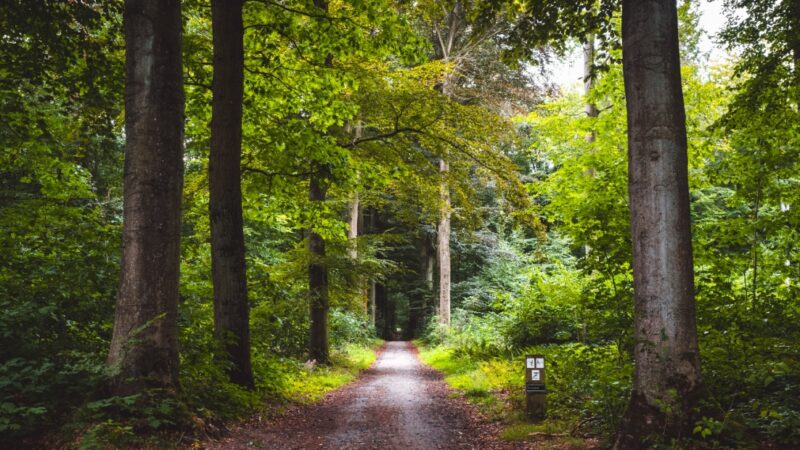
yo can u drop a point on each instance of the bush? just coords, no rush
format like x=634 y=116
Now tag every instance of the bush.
x=347 y=327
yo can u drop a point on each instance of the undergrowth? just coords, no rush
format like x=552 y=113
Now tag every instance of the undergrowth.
x=206 y=406
x=577 y=402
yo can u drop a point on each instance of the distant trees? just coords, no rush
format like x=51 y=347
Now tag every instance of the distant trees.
x=144 y=348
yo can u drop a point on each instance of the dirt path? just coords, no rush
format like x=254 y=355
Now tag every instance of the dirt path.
x=398 y=403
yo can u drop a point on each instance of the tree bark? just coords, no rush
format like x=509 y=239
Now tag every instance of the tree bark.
x=144 y=345
x=430 y=265
x=590 y=108
x=352 y=229
x=443 y=251
x=229 y=274
x=371 y=303
x=372 y=226
x=318 y=281
x=667 y=379
x=588 y=81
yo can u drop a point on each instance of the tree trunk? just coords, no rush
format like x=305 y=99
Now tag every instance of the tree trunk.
x=358 y=281
x=430 y=265
x=590 y=108
x=352 y=229
x=443 y=251
x=317 y=282
x=588 y=81
x=667 y=365
x=417 y=301
x=144 y=346
x=430 y=268
x=229 y=274
x=372 y=226
x=371 y=303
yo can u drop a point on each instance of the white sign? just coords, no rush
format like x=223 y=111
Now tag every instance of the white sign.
x=540 y=363
x=530 y=363
x=535 y=375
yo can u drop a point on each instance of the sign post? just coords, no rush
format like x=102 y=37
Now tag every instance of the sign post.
x=535 y=391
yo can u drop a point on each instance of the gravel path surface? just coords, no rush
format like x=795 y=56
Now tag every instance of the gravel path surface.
x=398 y=403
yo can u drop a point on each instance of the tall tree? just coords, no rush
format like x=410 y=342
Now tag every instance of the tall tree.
x=144 y=346
x=589 y=81
x=467 y=36
x=443 y=248
x=667 y=375
x=318 y=297
x=229 y=274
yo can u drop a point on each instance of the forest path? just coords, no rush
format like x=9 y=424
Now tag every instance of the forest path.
x=398 y=403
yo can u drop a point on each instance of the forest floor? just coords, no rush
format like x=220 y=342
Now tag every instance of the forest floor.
x=398 y=403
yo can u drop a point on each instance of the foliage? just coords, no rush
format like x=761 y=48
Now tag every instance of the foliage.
x=541 y=243
x=588 y=386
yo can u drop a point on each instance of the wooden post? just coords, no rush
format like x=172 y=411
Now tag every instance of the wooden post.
x=535 y=391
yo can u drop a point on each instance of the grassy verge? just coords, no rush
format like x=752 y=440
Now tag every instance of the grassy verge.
x=130 y=422
x=496 y=386
x=311 y=383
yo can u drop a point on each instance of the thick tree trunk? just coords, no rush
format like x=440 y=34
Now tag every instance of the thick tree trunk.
x=229 y=274
x=443 y=251
x=317 y=282
x=144 y=345
x=667 y=365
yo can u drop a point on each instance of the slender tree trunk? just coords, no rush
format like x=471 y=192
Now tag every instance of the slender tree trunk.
x=371 y=302
x=443 y=251
x=416 y=302
x=590 y=108
x=371 y=298
x=430 y=269
x=430 y=265
x=357 y=280
x=443 y=228
x=229 y=274
x=352 y=229
x=667 y=379
x=318 y=281
x=588 y=80
x=144 y=346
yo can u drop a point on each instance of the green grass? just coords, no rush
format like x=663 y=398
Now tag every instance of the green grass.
x=310 y=384
x=489 y=384
x=496 y=386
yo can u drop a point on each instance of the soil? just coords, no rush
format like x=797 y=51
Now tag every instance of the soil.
x=398 y=403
